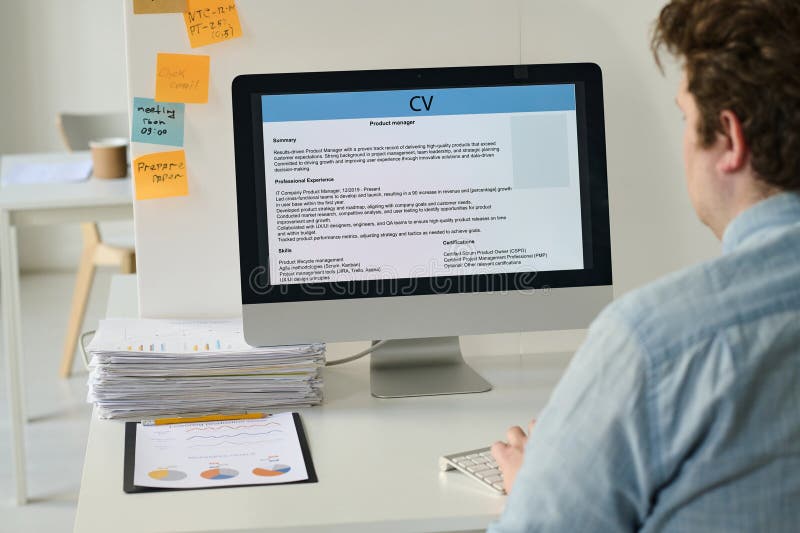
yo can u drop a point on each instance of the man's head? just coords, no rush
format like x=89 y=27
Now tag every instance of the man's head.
x=741 y=99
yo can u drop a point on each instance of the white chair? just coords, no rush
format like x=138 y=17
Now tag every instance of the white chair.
x=76 y=131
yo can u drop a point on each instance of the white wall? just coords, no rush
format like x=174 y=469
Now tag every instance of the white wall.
x=58 y=56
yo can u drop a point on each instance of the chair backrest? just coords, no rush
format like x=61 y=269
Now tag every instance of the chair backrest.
x=77 y=129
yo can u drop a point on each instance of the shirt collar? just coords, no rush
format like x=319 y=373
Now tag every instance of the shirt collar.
x=774 y=212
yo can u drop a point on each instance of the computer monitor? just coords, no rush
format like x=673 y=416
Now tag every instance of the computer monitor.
x=419 y=205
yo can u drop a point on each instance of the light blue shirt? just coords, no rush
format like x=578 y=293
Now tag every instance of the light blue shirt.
x=681 y=411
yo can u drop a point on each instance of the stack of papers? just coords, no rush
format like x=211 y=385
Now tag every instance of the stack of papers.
x=145 y=368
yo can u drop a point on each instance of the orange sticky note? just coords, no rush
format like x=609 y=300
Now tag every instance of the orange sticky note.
x=182 y=78
x=161 y=175
x=145 y=7
x=211 y=21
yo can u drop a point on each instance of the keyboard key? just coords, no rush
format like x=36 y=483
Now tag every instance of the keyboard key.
x=489 y=472
x=493 y=479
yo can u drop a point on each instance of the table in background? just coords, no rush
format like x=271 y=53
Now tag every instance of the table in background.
x=93 y=200
x=376 y=460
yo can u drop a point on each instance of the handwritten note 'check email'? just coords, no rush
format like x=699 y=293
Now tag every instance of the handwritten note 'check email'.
x=161 y=175
x=182 y=78
x=211 y=21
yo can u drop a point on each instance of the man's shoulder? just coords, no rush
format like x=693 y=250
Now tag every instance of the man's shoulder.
x=702 y=300
x=677 y=303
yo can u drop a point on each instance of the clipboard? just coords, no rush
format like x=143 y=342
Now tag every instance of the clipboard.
x=130 y=462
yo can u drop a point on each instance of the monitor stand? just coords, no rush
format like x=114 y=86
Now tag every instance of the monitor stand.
x=422 y=367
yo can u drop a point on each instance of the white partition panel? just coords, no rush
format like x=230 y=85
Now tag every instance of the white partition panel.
x=187 y=249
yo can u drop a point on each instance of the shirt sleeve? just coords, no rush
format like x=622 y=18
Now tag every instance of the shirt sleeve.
x=588 y=465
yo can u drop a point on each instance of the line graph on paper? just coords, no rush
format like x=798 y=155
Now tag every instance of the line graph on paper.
x=235 y=435
x=234 y=443
x=224 y=426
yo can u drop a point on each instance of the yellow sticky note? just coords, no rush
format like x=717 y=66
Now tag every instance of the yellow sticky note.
x=161 y=175
x=182 y=78
x=145 y=7
x=211 y=21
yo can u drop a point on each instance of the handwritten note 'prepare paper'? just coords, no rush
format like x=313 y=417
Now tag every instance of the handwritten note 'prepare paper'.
x=157 y=122
x=211 y=21
x=161 y=175
x=182 y=78
x=147 y=7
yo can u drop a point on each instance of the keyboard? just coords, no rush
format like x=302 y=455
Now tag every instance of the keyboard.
x=477 y=464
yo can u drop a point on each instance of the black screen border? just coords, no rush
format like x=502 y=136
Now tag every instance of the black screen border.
x=247 y=91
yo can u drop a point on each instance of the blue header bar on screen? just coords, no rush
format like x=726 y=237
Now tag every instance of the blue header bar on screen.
x=418 y=102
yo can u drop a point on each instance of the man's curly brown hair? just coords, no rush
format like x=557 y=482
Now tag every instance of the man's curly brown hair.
x=742 y=56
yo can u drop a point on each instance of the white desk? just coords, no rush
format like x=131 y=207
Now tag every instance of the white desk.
x=376 y=459
x=21 y=205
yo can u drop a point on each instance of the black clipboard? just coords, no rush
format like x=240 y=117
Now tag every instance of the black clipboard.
x=130 y=461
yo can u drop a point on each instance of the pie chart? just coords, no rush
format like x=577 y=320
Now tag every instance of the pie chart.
x=274 y=470
x=167 y=475
x=219 y=473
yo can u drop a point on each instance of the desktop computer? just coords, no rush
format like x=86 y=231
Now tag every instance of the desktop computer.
x=418 y=205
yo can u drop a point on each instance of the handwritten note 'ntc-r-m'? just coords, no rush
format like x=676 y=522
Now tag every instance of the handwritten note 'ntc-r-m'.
x=157 y=122
x=161 y=175
x=211 y=21
x=182 y=78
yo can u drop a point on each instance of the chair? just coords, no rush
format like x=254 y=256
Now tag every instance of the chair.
x=76 y=132
x=78 y=129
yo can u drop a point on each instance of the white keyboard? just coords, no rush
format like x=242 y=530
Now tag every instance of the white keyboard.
x=477 y=464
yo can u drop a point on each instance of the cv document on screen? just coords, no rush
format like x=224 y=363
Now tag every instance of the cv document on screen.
x=421 y=183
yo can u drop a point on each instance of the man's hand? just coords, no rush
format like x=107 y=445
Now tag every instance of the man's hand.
x=509 y=455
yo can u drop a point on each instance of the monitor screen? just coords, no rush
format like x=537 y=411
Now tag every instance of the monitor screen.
x=421 y=183
x=368 y=184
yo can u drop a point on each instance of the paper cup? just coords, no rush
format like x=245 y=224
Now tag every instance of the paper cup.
x=110 y=157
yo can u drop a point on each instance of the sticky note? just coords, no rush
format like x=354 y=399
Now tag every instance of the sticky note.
x=157 y=122
x=211 y=21
x=182 y=78
x=161 y=175
x=146 y=7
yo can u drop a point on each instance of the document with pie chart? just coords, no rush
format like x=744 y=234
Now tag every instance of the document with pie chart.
x=271 y=450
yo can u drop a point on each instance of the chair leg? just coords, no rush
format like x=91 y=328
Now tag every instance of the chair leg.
x=83 y=285
x=128 y=264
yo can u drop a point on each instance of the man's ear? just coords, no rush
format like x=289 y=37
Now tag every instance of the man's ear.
x=736 y=153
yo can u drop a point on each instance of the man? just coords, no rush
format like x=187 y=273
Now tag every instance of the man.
x=681 y=412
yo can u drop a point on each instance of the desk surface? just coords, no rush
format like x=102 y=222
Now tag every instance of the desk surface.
x=376 y=459
x=91 y=192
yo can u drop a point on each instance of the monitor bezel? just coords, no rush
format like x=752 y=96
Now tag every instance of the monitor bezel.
x=251 y=183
